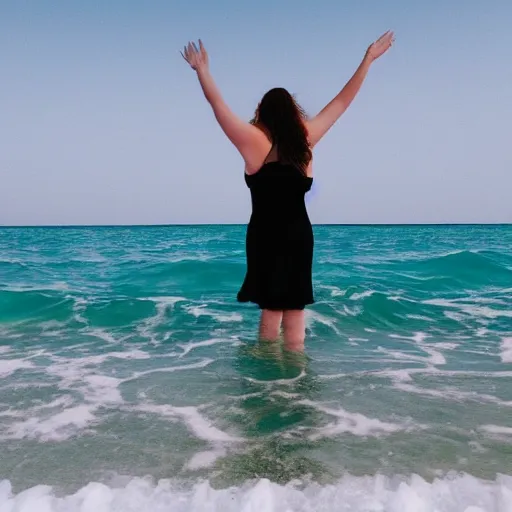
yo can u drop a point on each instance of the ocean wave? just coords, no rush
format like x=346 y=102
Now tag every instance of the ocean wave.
x=468 y=268
x=451 y=493
x=126 y=350
x=16 y=306
x=24 y=310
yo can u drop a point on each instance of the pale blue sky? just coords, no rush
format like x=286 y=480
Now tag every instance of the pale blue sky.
x=102 y=122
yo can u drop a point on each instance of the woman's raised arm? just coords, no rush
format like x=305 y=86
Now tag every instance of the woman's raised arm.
x=247 y=138
x=319 y=125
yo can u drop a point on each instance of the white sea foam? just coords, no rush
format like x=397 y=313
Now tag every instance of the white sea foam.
x=102 y=390
x=65 y=417
x=448 y=393
x=452 y=315
x=355 y=341
x=163 y=305
x=312 y=316
x=362 y=295
x=169 y=369
x=103 y=335
x=204 y=459
x=9 y=366
x=284 y=394
x=200 y=426
x=470 y=309
x=443 y=373
x=51 y=325
x=56 y=427
x=419 y=317
x=86 y=392
x=79 y=306
x=349 y=422
x=187 y=347
x=481 y=300
x=350 y=311
x=496 y=429
x=202 y=310
x=506 y=350
x=58 y=286
x=188 y=257
x=435 y=356
x=274 y=382
x=460 y=493
x=335 y=291
x=130 y=354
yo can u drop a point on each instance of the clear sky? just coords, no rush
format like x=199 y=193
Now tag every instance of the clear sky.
x=103 y=122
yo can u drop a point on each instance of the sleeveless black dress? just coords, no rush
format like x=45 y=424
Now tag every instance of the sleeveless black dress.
x=279 y=240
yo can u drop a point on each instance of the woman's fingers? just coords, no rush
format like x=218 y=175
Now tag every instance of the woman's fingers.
x=385 y=41
x=187 y=52
x=202 y=48
x=381 y=45
x=192 y=54
x=382 y=37
x=386 y=37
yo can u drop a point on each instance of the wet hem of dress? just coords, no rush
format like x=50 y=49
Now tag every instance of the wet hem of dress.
x=272 y=307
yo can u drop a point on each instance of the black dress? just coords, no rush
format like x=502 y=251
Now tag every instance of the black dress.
x=279 y=241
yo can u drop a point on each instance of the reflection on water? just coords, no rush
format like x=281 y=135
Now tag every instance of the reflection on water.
x=269 y=361
x=273 y=381
x=271 y=414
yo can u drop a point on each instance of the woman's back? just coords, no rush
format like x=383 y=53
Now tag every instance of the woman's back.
x=277 y=193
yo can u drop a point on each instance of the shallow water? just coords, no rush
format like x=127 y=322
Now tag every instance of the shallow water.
x=124 y=354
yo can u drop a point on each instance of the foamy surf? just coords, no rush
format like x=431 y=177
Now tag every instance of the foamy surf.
x=124 y=351
x=506 y=350
x=458 y=493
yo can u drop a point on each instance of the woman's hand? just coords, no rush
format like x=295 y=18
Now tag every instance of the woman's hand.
x=198 y=59
x=381 y=46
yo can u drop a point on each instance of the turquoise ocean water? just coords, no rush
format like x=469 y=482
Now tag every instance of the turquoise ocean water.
x=132 y=380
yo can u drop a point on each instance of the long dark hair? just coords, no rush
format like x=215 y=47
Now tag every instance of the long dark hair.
x=282 y=120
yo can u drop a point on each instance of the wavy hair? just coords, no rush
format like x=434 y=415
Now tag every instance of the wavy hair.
x=281 y=118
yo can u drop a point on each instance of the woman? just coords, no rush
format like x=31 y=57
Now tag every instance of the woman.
x=277 y=150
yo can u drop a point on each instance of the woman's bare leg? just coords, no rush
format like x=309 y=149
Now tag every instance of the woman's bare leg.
x=270 y=325
x=294 y=329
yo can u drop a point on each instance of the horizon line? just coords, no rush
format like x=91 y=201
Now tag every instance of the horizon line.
x=204 y=224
